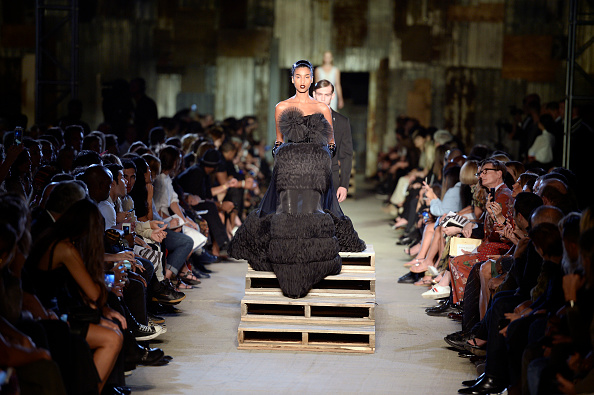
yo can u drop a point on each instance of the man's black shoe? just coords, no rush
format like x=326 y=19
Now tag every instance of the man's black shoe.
x=486 y=385
x=151 y=356
x=470 y=383
x=441 y=310
x=457 y=344
x=460 y=335
x=200 y=273
x=206 y=257
x=409 y=278
x=144 y=356
x=404 y=241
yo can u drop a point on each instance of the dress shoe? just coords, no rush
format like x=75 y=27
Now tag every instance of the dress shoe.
x=144 y=356
x=403 y=241
x=410 y=278
x=460 y=335
x=486 y=385
x=441 y=310
x=455 y=316
x=206 y=257
x=199 y=273
x=112 y=390
x=470 y=383
x=457 y=344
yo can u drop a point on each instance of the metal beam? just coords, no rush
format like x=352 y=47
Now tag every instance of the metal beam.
x=52 y=18
x=573 y=53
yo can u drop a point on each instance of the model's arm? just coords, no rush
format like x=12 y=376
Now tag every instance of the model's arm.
x=277 y=112
x=338 y=89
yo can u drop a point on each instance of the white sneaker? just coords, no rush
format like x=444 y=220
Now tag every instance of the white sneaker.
x=437 y=292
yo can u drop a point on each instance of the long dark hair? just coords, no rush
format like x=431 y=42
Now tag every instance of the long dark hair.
x=82 y=225
x=138 y=192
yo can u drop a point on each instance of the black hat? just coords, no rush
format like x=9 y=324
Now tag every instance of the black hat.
x=211 y=158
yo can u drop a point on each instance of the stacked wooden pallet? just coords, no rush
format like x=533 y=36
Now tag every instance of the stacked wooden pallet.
x=338 y=314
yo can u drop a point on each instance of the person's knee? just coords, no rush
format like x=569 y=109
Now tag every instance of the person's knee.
x=485 y=271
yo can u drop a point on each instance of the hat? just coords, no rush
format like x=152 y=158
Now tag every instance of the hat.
x=442 y=137
x=211 y=158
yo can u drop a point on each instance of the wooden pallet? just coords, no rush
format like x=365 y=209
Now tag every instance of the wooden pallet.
x=359 y=261
x=345 y=284
x=311 y=309
x=303 y=337
x=337 y=315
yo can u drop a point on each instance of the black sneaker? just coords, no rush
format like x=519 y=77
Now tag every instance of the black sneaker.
x=167 y=294
x=144 y=332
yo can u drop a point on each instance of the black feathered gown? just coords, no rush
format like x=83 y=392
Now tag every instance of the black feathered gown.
x=299 y=227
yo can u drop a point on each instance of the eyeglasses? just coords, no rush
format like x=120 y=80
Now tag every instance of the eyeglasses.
x=484 y=171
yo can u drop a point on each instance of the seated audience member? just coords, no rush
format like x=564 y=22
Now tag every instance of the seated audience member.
x=165 y=202
x=62 y=195
x=66 y=266
x=196 y=181
x=499 y=206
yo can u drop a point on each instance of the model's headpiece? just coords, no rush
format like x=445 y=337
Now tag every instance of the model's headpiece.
x=301 y=63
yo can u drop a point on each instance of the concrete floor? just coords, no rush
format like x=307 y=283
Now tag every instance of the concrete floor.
x=410 y=356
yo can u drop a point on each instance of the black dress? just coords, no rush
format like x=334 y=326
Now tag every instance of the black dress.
x=299 y=227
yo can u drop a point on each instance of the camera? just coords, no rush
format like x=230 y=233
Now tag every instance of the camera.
x=126 y=228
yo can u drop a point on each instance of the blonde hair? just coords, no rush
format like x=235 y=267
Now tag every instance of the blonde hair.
x=187 y=142
x=468 y=172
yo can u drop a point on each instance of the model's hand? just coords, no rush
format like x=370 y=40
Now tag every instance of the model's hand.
x=341 y=194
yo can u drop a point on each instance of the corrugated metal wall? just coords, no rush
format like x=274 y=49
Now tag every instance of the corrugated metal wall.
x=235 y=87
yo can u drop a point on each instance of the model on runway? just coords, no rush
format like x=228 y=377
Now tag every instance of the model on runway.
x=299 y=227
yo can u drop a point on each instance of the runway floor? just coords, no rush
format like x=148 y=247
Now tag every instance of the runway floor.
x=410 y=357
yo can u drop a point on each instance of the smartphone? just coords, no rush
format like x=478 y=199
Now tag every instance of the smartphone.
x=109 y=280
x=18 y=135
x=492 y=193
x=126 y=228
x=127 y=264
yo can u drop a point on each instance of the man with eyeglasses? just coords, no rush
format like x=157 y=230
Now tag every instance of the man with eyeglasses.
x=499 y=212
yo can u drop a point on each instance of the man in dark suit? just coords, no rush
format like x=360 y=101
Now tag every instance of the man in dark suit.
x=342 y=162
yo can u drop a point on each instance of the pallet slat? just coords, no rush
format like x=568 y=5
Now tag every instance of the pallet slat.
x=352 y=311
x=307 y=337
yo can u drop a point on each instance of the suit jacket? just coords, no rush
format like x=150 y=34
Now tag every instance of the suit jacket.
x=342 y=162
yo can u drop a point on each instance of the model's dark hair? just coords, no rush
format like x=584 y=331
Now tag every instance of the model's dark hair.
x=299 y=64
x=86 y=236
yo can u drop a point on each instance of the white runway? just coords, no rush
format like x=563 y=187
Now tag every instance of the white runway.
x=410 y=356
